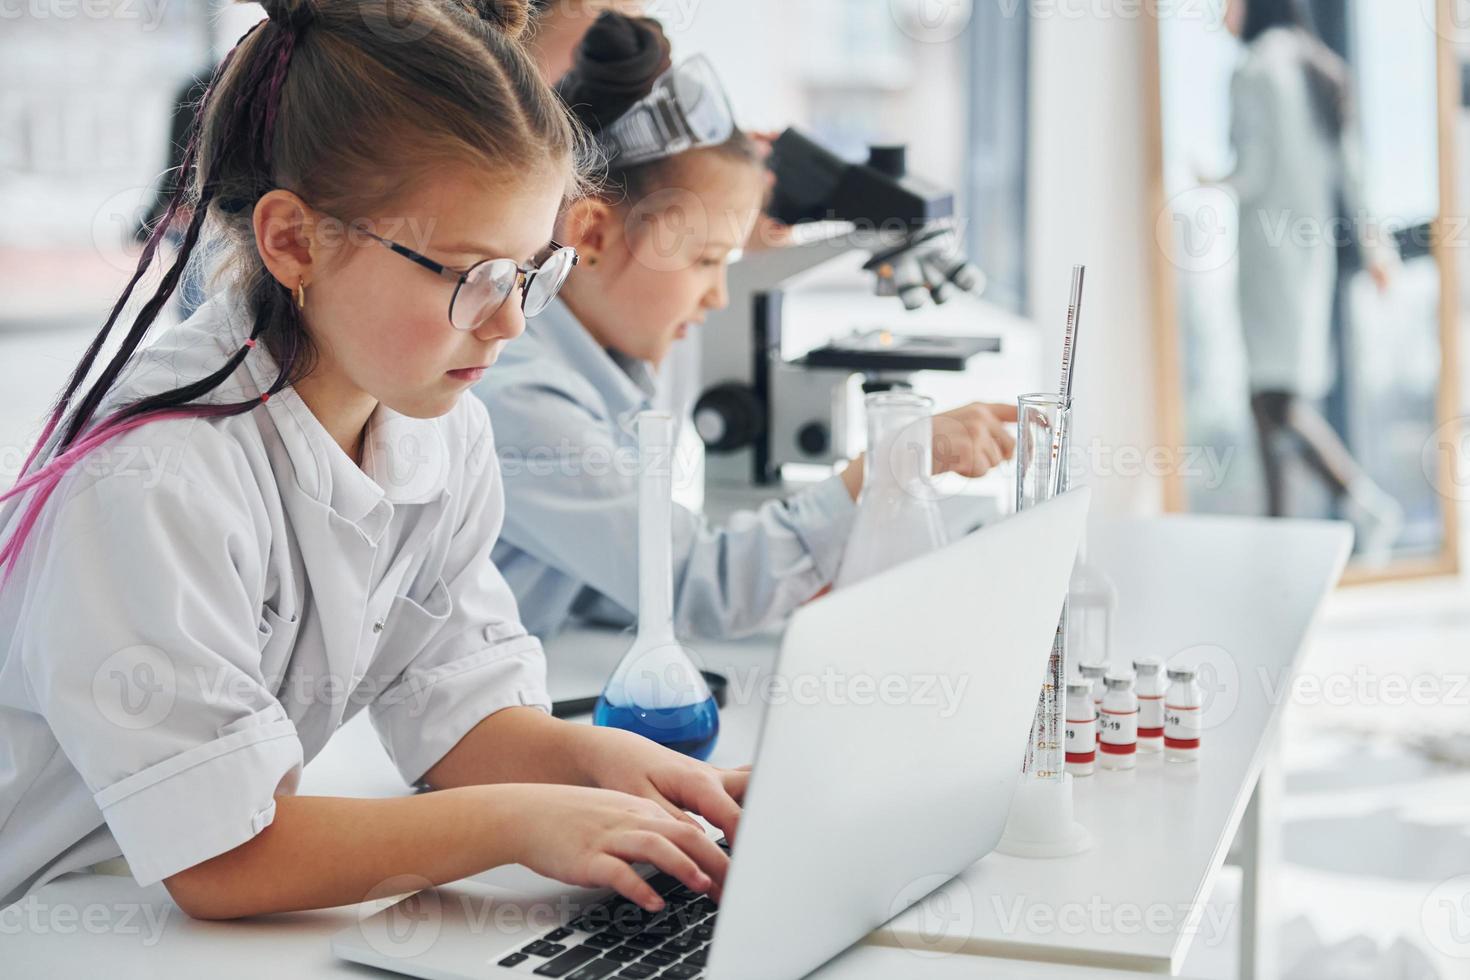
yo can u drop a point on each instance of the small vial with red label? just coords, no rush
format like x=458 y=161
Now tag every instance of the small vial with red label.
x=1182 y=705
x=1094 y=674
x=1117 y=724
x=1150 y=691
x=1081 y=729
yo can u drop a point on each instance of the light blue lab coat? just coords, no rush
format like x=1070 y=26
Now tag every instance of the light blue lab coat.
x=563 y=410
x=1287 y=178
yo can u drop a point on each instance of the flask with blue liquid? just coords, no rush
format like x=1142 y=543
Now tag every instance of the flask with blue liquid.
x=656 y=690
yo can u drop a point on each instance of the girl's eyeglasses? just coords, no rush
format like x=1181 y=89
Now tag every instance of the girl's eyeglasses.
x=483 y=288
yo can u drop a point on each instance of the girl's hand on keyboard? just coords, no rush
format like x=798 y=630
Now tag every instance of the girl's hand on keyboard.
x=620 y=760
x=592 y=837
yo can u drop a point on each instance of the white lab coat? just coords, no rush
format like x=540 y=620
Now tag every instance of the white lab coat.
x=1288 y=177
x=205 y=601
x=564 y=409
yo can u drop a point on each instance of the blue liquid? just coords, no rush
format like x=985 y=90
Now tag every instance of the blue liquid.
x=690 y=729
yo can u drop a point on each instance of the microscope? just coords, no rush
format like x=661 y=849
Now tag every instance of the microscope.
x=775 y=394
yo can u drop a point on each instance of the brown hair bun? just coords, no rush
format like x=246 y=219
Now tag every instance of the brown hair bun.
x=616 y=65
x=510 y=17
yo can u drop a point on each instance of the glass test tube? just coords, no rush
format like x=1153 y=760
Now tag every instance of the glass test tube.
x=1041 y=473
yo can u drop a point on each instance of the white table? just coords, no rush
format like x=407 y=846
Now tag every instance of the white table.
x=1161 y=833
x=104 y=926
x=1240 y=597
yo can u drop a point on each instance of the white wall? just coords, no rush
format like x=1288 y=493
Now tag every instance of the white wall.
x=790 y=64
x=1089 y=204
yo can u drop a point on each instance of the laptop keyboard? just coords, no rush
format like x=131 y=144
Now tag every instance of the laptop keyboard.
x=621 y=940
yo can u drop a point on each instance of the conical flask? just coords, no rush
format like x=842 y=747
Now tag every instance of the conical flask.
x=656 y=690
x=898 y=513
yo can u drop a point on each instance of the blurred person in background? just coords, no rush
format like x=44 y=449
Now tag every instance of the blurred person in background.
x=1294 y=136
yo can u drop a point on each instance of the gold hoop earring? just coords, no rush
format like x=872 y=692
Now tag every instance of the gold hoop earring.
x=301 y=294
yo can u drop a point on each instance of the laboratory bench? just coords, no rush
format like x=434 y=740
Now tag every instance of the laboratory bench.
x=1175 y=883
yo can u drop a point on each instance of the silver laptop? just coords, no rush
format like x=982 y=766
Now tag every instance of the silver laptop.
x=884 y=768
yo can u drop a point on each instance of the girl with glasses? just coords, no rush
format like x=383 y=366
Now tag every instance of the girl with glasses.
x=277 y=514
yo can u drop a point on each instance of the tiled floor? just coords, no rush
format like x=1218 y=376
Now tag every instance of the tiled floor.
x=1376 y=747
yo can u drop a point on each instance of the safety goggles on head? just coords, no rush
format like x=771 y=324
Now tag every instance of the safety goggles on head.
x=686 y=109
